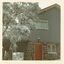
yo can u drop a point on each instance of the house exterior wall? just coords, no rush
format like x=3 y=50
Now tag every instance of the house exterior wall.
x=52 y=55
x=42 y=34
x=50 y=36
x=53 y=17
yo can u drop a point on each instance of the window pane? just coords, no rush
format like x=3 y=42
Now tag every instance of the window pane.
x=53 y=48
x=49 y=48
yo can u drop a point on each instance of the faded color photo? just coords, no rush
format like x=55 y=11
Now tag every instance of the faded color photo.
x=30 y=32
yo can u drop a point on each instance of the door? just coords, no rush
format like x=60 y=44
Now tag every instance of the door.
x=38 y=49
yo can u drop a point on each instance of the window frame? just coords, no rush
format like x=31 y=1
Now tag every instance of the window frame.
x=50 y=50
x=42 y=25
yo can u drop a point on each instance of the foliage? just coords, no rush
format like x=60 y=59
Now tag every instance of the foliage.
x=18 y=19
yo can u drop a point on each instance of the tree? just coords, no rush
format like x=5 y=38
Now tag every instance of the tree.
x=18 y=19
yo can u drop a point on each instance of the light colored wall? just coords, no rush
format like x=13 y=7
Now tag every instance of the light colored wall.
x=53 y=33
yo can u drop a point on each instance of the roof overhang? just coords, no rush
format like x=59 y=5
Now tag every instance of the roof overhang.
x=49 y=7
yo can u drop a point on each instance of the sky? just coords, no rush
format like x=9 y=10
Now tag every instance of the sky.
x=46 y=4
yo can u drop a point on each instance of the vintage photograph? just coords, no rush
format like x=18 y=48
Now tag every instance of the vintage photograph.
x=30 y=32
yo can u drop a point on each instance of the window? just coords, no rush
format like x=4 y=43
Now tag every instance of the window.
x=42 y=25
x=51 y=48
